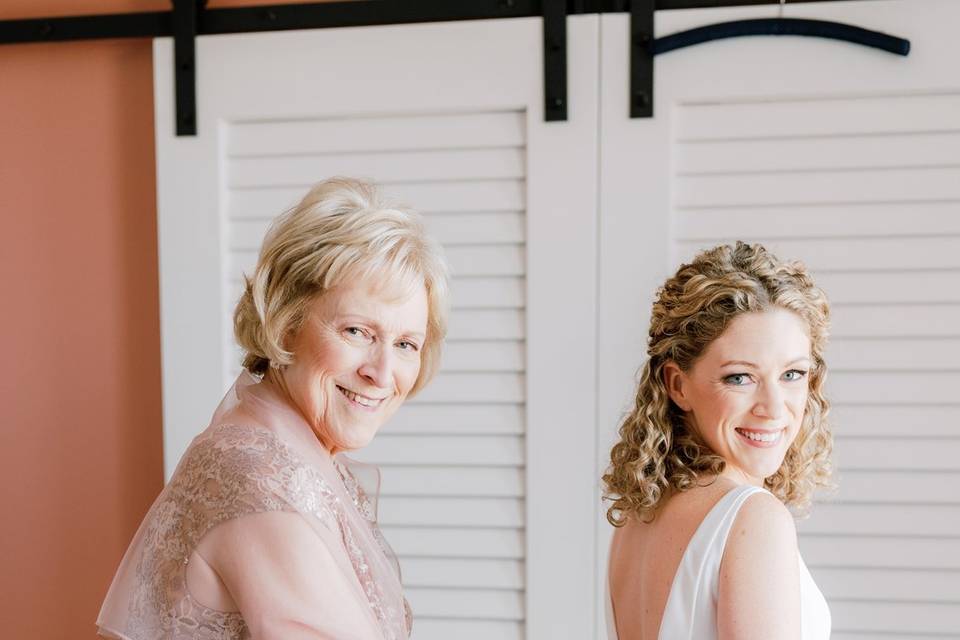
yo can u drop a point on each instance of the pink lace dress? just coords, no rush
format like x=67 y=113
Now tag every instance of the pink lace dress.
x=234 y=470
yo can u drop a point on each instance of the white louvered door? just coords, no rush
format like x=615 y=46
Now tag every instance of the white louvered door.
x=488 y=487
x=848 y=159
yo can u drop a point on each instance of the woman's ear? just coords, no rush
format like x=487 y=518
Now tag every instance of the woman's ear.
x=675 y=380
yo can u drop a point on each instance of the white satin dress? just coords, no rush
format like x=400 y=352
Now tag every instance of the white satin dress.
x=691 y=611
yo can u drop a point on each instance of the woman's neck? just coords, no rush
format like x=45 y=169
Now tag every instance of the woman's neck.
x=274 y=381
x=740 y=477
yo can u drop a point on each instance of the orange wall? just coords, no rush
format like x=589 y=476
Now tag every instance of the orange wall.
x=80 y=433
x=81 y=457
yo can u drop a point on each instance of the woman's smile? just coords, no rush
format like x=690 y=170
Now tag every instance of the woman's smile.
x=360 y=401
x=761 y=438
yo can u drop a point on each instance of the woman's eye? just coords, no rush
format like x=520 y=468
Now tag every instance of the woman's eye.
x=355 y=332
x=737 y=379
x=406 y=345
x=794 y=374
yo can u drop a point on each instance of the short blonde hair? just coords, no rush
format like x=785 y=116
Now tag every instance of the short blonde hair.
x=343 y=228
x=657 y=453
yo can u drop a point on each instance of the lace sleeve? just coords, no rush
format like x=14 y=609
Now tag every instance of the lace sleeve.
x=228 y=472
x=241 y=470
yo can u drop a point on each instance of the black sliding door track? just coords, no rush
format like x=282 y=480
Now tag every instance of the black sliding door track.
x=318 y=15
x=190 y=18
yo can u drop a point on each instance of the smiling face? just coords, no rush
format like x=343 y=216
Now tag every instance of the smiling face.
x=746 y=394
x=355 y=359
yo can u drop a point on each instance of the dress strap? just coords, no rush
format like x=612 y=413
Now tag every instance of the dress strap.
x=690 y=613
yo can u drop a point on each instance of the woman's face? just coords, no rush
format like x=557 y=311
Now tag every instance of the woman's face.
x=747 y=393
x=355 y=359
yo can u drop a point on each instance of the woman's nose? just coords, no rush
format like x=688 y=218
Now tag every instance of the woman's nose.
x=377 y=366
x=769 y=403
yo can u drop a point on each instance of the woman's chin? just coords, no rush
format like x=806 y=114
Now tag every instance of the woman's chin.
x=763 y=470
x=357 y=438
x=759 y=462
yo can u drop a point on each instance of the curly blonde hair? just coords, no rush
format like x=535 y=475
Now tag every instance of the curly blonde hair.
x=342 y=229
x=658 y=453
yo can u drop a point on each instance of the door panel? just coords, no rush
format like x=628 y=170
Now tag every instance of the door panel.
x=448 y=119
x=848 y=159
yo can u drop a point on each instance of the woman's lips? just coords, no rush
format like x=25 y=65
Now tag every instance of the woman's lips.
x=360 y=401
x=762 y=439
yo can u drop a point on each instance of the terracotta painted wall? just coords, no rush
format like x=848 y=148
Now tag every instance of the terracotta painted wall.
x=80 y=411
x=81 y=452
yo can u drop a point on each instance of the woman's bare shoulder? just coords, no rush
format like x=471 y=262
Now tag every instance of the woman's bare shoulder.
x=694 y=503
x=759 y=573
x=763 y=517
x=763 y=532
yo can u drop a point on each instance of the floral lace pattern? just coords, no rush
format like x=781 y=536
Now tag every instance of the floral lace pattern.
x=365 y=506
x=228 y=472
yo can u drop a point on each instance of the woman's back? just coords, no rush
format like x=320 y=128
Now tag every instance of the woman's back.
x=644 y=558
x=665 y=576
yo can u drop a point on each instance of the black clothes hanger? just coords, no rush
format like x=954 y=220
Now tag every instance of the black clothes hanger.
x=644 y=46
x=782 y=27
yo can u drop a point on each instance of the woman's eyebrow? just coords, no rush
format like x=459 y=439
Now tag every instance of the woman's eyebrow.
x=355 y=317
x=351 y=317
x=739 y=362
x=744 y=363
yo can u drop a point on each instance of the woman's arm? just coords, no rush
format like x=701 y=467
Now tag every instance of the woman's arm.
x=759 y=592
x=288 y=582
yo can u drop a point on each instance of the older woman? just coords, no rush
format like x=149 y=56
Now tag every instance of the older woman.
x=265 y=530
x=729 y=430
